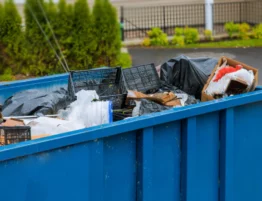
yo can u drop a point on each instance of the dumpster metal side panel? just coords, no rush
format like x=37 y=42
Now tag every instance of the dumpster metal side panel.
x=98 y=170
x=200 y=158
x=101 y=169
x=158 y=162
x=46 y=83
x=209 y=151
x=241 y=144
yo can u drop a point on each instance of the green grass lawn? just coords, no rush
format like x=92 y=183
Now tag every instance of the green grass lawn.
x=225 y=44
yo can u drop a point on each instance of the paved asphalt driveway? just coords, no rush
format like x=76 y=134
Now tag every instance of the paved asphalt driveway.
x=250 y=56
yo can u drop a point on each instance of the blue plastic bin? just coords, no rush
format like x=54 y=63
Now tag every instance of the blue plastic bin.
x=205 y=152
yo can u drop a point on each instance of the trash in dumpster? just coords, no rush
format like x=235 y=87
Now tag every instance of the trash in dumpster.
x=35 y=102
x=121 y=114
x=166 y=98
x=188 y=74
x=13 y=131
x=143 y=78
x=100 y=96
x=52 y=126
x=80 y=114
x=107 y=82
x=185 y=98
x=14 y=134
x=34 y=137
x=143 y=81
x=145 y=106
x=86 y=112
x=13 y=122
x=230 y=77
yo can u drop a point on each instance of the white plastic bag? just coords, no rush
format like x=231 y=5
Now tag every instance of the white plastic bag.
x=86 y=112
x=80 y=114
x=52 y=126
x=220 y=86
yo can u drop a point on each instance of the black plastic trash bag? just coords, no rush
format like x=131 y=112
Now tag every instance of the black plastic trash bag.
x=188 y=99
x=145 y=106
x=36 y=102
x=188 y=74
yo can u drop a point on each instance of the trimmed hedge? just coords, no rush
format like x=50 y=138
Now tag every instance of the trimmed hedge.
x=87 y=40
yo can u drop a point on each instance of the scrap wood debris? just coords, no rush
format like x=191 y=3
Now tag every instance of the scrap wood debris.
x=165 y=98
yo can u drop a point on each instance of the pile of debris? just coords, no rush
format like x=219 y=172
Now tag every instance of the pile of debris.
x=230 y=78
x=104 y=95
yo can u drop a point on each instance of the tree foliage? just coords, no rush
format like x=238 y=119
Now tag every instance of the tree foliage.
x=86 y=39
x=83 y=37
x=107 y=32
x=10 y=37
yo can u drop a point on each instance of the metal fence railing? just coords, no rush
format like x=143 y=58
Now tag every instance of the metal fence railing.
x=138 y=20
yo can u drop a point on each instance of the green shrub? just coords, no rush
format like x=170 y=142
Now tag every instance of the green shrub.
x=107 y=33
x=244 y=29
x=1 y=19
x=86 y=40
x=146 y=42
x=257 y=31
x=157 y=37
x=231 y=28
x=154 y=33
x=7 y=76
x=208 y=35
x=178 y=41
x=10 y=36
x=83 y=37
x=179 y=31
x=40 y=56
x=63 y=28
x=124 y=60
x=10 y=22
x=191 y=35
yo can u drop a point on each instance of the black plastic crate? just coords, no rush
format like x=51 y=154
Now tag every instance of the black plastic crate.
x=107 y=82
x=14 y=134
x=143 y=78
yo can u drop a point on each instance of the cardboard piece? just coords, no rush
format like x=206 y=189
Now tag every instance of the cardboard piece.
x=2 y=140
x=158 y=97
x=173 y=103
x=230 y=62
x=13 y=122
x=39 y=136
x=166 y=98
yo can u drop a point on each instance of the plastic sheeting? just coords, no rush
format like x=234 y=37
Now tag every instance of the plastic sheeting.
x=80 y=114
x=36 y=102
x=186 y=98
x=188 y=74
x=87 y=112
x=51 y=126
x=144 y=107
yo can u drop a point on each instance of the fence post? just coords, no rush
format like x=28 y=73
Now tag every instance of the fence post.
x=240 y=12
x=122 y=23
x=209 y=14
x=164 y=18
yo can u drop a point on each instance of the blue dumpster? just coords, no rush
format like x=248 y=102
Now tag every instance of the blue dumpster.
x=205 y=152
